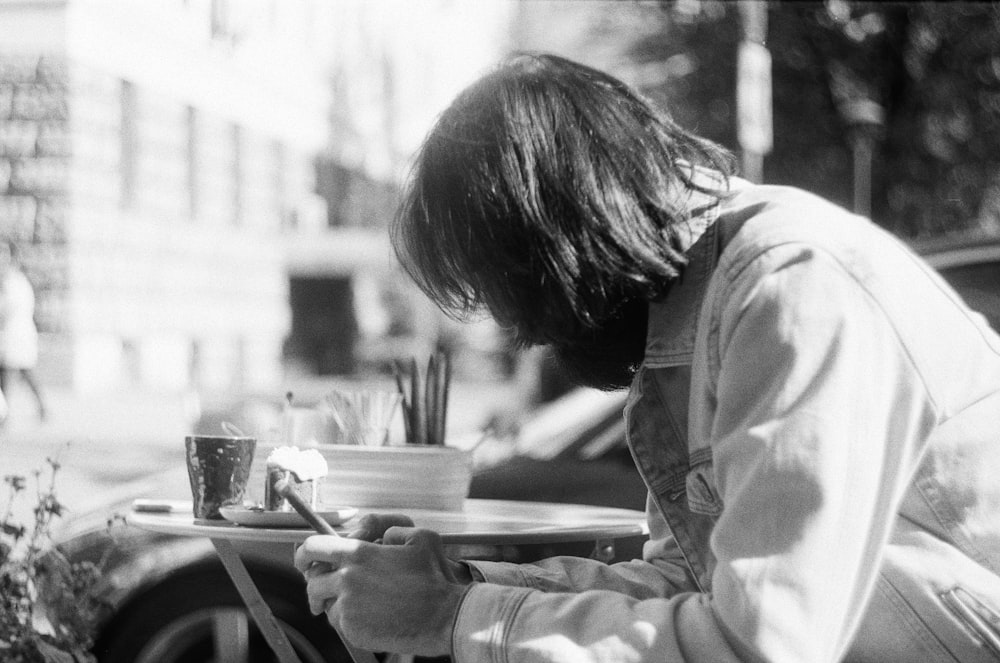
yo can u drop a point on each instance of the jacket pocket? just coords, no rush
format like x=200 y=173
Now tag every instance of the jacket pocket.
x=982 y=620
x=702 y=495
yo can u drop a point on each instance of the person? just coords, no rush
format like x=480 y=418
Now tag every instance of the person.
x=18 y=334
x=813 y=409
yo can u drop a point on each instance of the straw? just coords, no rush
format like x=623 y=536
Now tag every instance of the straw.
x=231 y=429
x=363 y=416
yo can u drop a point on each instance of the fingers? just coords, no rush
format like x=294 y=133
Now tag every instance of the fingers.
x=317 y=569
x=322 y=591
x=429 y=542
x=402 y=536
x=324 y=548
x=372 y=526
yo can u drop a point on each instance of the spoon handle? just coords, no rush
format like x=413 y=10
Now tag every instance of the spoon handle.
x=284 y=488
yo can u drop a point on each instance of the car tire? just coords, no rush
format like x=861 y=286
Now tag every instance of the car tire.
x=180 y=620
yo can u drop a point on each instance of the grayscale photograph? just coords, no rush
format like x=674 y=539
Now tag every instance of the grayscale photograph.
x=521 y=331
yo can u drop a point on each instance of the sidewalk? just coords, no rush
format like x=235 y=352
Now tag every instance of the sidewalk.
x=126 y=415
x=104 y=443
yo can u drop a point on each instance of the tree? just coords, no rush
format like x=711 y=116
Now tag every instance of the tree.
x=919 y=80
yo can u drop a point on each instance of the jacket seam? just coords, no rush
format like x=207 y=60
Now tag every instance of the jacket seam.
x=911 y=617
x=454 y=622
x=948 y=519
x=958 y=302
x=508 y=621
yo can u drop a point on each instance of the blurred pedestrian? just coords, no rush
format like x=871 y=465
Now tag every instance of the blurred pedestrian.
x=18 y=334
x=813 y=409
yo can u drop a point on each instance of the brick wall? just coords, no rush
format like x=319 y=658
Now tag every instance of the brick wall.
x=35 y=153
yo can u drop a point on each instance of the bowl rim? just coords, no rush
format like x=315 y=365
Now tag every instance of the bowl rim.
x=390 y=448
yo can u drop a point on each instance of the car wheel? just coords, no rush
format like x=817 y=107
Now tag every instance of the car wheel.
x=198 y=617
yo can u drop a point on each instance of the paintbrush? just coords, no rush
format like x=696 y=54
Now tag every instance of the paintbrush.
x=284 y=488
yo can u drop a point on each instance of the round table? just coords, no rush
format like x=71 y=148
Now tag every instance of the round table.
x=497 y=523
x=480 y=522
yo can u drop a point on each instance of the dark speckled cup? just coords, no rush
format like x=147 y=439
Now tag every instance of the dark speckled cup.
x=218 y=467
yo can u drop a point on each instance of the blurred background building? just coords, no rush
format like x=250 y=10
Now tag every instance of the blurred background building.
x=156 y=157
x=201 y=188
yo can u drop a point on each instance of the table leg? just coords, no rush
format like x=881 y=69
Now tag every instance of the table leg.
x=604 y=550
x=258 y=608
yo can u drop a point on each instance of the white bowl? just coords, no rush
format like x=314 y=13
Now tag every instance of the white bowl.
x=405 y=476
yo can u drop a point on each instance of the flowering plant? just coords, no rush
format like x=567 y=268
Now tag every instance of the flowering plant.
x=48 y=606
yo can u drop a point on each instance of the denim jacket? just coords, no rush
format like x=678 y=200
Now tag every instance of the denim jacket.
x=817 y=419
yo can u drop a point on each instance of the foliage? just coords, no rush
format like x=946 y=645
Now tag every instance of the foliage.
x=932 y=68
x=48 y=606
x=935 y=70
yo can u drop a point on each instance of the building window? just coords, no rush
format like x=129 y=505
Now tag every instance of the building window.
x=129 y=146
x=131 y=362
x=221 y=18
x=196 y=363
x=193 y=166
x=237 y=171
x=280 y=191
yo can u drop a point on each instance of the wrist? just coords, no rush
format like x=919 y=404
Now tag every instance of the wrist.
x=439 y=630
x=456 y=608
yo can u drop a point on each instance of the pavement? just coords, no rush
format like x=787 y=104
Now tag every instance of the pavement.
x=105 y=444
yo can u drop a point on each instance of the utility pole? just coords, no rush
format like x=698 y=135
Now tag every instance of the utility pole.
x=865 y=120
x=753 y=90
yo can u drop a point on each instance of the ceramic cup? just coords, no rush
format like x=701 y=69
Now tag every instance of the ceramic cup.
x=218 y=467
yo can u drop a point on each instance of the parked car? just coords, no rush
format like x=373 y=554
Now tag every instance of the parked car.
x=171 y=601
x=971 y=264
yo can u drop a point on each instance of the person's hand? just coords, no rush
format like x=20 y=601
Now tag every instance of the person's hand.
x=372 y=527
x=400 y=596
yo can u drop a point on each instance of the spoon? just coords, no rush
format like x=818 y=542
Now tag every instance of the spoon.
x=231 y=429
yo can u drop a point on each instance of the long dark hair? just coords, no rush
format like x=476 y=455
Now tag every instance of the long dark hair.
x=549 y=194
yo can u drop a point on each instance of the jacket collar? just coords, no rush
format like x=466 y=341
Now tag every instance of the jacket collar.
x=673 y=320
